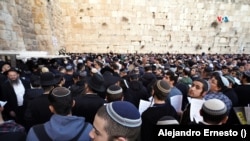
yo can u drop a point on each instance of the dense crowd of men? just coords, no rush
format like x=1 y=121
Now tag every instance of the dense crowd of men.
x=87 y=88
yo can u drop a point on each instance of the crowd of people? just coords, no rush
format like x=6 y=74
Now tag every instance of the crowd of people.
x=99 y=96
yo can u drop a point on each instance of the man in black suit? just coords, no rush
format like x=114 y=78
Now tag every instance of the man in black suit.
x=87 y=104
x=243 y=90
x=37 y=111
x=13 y=91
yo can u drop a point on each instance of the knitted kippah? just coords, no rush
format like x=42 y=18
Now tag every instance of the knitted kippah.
x=124 y=113
x=60 y=92
x=173 y=69
x=187 y=69
x=69 y=67
x=114 y=89
x=163 y=86
x=167 y=120
x=214 y=107
x=44 y=69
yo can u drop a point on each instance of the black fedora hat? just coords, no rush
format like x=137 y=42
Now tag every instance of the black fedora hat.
x=13 y=69
x=96 y=82
x=47 y=79
x=110 y=79
x=35 y=80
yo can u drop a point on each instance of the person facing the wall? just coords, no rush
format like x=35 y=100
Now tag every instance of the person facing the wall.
x=62 y=126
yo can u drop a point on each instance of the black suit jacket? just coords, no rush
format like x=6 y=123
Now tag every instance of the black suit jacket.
x=37 y=111
x=87 y=106
x=9 y=95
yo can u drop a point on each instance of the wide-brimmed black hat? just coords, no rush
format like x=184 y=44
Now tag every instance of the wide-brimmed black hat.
x=47 y=79
x=110 y=79
x=35 y=80
x=13 y=69
x=59 y=77
x=96 y=82
x=2 y=63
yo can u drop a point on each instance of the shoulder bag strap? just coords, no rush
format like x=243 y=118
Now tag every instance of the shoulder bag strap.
x=41 y=133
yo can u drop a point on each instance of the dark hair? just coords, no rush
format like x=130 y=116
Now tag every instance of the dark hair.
x=61 y=104
x=147 y=67
x=186 y=71
x=205 y=87
x=35 y=80
x=212 y=118
x=80 y=66
x=99 y=63
x=133 y=76
x=246 y=76
x=114 y=97
x=114 y=66
x=172 y=76
x=220 y=83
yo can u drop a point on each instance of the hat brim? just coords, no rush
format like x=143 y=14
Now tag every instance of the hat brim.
x=99 y=88
x=48 y=83
x=13 y=70
x=96 y=87
x=112 y=80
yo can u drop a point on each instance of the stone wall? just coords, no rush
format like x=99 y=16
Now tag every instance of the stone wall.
x=11 y=35
x=30 y=25
x=176 y=26
x=126 y=26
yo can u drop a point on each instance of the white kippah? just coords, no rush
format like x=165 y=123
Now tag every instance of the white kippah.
x=167 y=120
x=214 y=107
x=114 y=89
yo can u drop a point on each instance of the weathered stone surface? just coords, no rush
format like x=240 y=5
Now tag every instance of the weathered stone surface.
x=124 y=26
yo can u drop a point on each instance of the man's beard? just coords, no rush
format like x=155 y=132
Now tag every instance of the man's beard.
x=14 y=82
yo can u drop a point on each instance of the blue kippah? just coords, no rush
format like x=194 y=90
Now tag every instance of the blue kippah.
x=124 y=113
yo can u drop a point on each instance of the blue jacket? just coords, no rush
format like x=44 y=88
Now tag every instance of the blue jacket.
x=63 y=128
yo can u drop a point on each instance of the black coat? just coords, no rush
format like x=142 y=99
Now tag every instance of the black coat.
x=87 y=106
x=38 y=111
x=231 y=94
x=243 y=93
x=152 y=115
x=9 y=95
x=135 y=92
x=31 y=94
